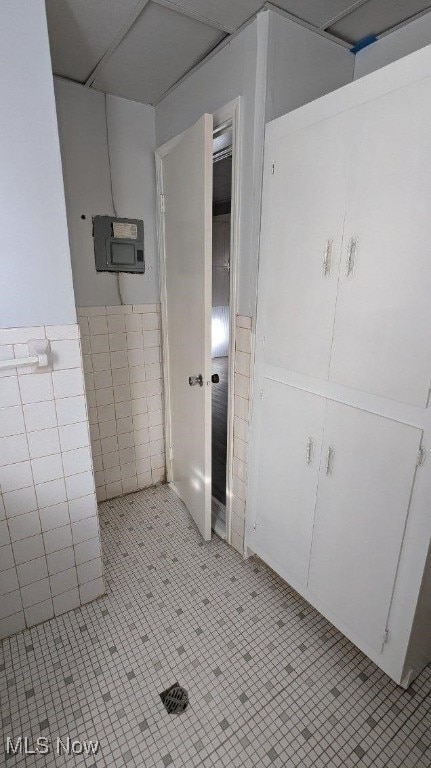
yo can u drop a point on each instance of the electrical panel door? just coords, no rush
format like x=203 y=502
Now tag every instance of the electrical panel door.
x=118 y=244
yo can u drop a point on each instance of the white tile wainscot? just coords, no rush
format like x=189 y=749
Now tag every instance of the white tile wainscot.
x=242 y=394
x=124 y=385
x=49 y=527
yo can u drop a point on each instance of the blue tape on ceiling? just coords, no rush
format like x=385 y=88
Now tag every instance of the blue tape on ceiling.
x=368 y=40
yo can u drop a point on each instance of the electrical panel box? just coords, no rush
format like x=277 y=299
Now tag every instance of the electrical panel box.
x=118 y=244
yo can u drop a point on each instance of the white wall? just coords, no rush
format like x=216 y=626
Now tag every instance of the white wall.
x=84 y=148
x=302 y=66
x=36 y=280
x=50 y=551
x=132 y=141
x=394 y=46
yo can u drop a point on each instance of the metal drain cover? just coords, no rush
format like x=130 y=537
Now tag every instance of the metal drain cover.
x=175 y=699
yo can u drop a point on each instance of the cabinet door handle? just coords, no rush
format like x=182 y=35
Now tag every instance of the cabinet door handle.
x=327 y=259
x=330 y=461
x=309 y=452
x=351 y=256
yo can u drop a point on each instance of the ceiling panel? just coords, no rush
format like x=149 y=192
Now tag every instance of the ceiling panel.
x=161 y=46
x=81 y=30
x=228 y=13
x=318 y=13
x=376 y=16
x=167 y=39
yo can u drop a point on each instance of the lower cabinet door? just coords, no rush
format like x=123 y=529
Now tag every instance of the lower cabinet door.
x=291 y=427
x=366 y=477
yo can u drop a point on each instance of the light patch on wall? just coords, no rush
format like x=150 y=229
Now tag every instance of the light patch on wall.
x=220 y=332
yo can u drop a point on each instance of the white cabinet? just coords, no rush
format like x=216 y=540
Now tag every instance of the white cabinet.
x=367 y=473
x=333 y=495
x=343 y=362
x=381 y=342
x=302 y=230
x=345 y=267
x=291 y=441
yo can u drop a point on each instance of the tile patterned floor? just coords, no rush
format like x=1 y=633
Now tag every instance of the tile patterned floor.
x=271 y=682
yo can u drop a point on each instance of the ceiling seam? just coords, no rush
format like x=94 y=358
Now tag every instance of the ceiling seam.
x=404 y=22
x=206 y=58
x=175 y=7
x=307 y=25
x=117 y=40
x=189 y=14
x=102 y=91
x=267 y=6
x=342 y=15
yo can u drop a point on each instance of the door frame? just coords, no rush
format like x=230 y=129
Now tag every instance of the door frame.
x=230 y=114
x=160 y=153
x=226 y=115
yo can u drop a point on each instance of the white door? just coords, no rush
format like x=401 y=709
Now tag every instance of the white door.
x=185 y=178
x=366 y=478
x=291 y=427
x=381 y=339
x=302 y=225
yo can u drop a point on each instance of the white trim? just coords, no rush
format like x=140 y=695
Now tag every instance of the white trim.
x=258 y=168
x=260 y=102
x=160 y=219
x=231 y=114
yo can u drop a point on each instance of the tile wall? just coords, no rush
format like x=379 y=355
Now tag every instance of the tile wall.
x=242 y=394
x=124 y=384
x=50 y=552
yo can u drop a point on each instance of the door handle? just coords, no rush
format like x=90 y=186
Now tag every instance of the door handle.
x=215 y=378
x=193 y=380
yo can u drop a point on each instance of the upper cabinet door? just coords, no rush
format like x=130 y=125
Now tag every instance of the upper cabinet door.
x=367 y=473
x=382 y=343
x=301 y=240
x=290 y=440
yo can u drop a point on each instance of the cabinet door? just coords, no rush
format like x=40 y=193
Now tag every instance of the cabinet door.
x=381 y=339
x=301 y=239
x=290 y=447
x=367 y=472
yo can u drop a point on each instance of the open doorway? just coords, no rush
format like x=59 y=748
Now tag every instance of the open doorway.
x=220 y=321
x=198 y=335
